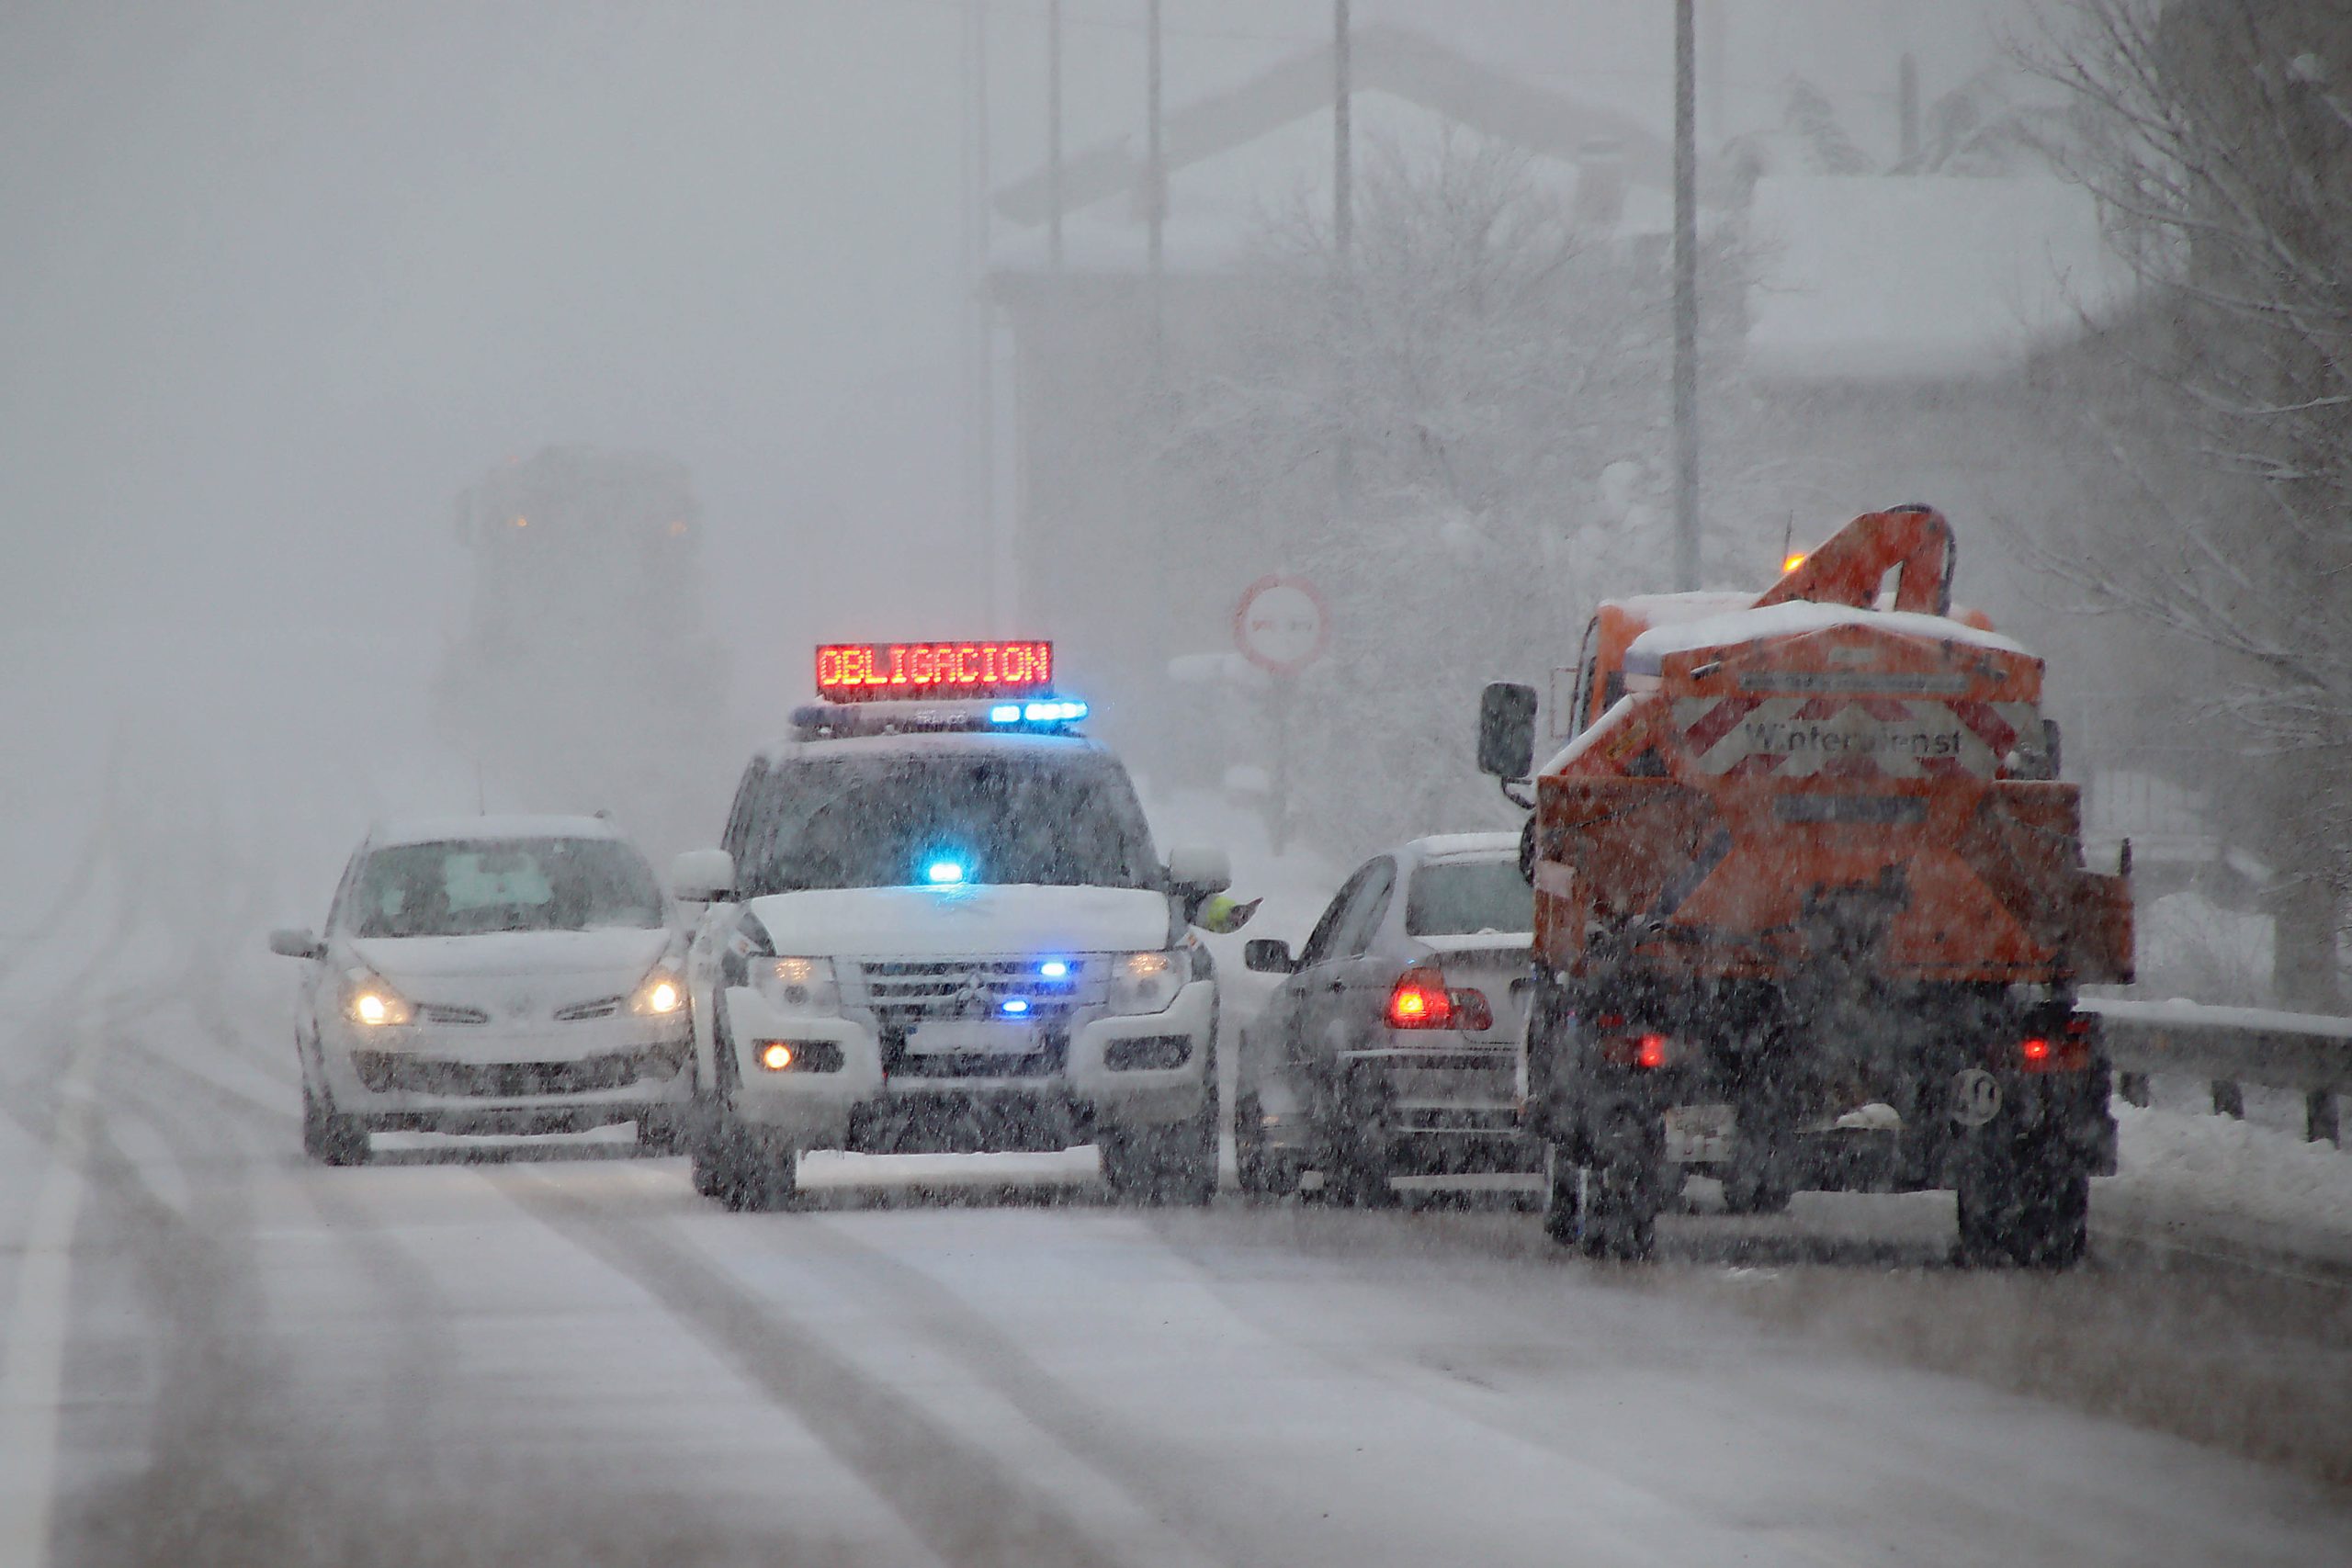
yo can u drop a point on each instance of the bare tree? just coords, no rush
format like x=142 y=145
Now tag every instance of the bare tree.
x=2217 y=135
x=1459 y=435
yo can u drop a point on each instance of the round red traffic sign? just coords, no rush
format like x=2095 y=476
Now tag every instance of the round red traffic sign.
x=1281 y=625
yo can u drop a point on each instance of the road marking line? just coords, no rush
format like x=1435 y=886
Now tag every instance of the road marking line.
x=32 y=1377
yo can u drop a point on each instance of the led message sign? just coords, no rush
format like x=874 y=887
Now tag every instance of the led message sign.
x=863 y=671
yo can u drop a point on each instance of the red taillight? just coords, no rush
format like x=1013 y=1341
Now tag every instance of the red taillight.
x=1645 y=1048
x=2064 y=1050
x=1421 y=1001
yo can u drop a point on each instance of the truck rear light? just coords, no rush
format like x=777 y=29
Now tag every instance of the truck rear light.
x=1420 y=1000
x=1645 y=1048
x=2066 y=1049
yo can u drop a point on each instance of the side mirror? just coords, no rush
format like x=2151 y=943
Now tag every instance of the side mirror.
x=1268 y=956
x=1197 y=873
x=1507 y=730
x=296 y=941
x=702 y=877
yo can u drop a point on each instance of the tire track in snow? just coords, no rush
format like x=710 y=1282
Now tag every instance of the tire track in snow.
x=962 y=1502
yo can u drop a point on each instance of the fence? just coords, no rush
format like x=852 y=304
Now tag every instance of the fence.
x=2230 y=1047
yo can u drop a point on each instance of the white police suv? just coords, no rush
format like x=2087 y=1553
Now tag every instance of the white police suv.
x=938 y=924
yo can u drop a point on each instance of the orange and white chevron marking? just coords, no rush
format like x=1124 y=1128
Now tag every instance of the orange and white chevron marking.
x=1849 y=737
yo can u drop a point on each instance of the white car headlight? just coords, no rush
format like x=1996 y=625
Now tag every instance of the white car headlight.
x=661 y=994
x=369 y=1002
x=799 y=984
x=1146 y=981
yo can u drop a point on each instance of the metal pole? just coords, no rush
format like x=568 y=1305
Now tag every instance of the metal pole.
x=1686 y=304
x=1155 y=159
x=1053 y=132
x=1343 y=220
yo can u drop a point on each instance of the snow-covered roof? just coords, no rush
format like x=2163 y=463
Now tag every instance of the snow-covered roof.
x=447 y=829
x=1796 y=617
x=966 y=742
x=1886 y=278
x=1467 y=846
x=1238 y=158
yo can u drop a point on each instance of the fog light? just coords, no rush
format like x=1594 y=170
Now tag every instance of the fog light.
x=775 y=1055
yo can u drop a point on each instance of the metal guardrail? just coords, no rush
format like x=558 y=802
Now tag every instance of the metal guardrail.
x=2230 y=1047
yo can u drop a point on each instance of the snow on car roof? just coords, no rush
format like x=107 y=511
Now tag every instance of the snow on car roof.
x=1795 y=617
x=930 y=743
x=1464 y=846
x=447 y=829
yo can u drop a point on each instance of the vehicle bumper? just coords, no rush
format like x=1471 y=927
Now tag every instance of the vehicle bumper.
x=1065 y=1095
x=568 y=1078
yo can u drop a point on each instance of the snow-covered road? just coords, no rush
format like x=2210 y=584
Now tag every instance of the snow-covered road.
x=981 y=1362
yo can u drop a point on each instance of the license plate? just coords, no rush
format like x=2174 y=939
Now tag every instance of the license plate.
x=974 y=1036
x=1699 y=1134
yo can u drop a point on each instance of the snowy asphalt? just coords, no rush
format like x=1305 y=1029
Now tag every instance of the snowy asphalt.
x=538 y=1360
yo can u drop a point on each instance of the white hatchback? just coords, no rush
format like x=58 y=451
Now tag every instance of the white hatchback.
x=492 y=975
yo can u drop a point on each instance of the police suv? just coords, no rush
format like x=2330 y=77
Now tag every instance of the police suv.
x=938 y=924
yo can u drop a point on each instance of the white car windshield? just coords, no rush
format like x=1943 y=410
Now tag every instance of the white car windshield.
x=903 y=820
x=464 y=888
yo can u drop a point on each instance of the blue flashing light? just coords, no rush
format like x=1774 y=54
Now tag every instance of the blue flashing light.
x=943 y=872
x=1014 y=1007
x=1005 y=712
x=1063 y=711
x=1054 y=969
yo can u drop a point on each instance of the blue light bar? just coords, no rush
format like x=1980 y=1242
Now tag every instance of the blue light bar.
x=1063 y=711
x=1054 y=969
x=1014 y=1005
x=1005 y=712
x=943 y=872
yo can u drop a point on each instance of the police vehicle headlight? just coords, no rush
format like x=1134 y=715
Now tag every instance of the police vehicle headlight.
x=1146 y=981
x=662 y=993
x=368 y=1000
x=799 y=985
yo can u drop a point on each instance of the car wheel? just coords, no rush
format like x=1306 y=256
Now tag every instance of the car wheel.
x=745 y=1167
x=330 y=1137
x=1261 y=1172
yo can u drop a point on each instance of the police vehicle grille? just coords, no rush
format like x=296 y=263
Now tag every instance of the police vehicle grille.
x=903 y=991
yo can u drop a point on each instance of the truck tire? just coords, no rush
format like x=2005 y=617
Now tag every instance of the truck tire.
x=1754 y=1188
x=2023 y=1199
x=1166 y=1166
x=330 y=1137
x=1621 y=1211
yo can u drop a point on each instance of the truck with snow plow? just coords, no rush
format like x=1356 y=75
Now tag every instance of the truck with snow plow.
x=1811 y=908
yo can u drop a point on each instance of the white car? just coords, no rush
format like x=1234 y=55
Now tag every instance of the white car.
x=492 y=975
x=949 y=941
x=1391 y=1047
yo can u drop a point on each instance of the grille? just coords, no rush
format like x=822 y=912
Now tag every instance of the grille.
x=397 y=1072
x=902 y=991
x=435 y=1013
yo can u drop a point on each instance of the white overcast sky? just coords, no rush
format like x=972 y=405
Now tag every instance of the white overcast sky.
x=278 y=278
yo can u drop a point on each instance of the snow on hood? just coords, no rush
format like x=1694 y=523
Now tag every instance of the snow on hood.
x=936 y=922
x=629 y=950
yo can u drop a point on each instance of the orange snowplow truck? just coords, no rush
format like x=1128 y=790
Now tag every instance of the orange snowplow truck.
x=1811 y=908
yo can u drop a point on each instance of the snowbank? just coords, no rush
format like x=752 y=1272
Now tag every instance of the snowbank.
x=2216 y=1166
